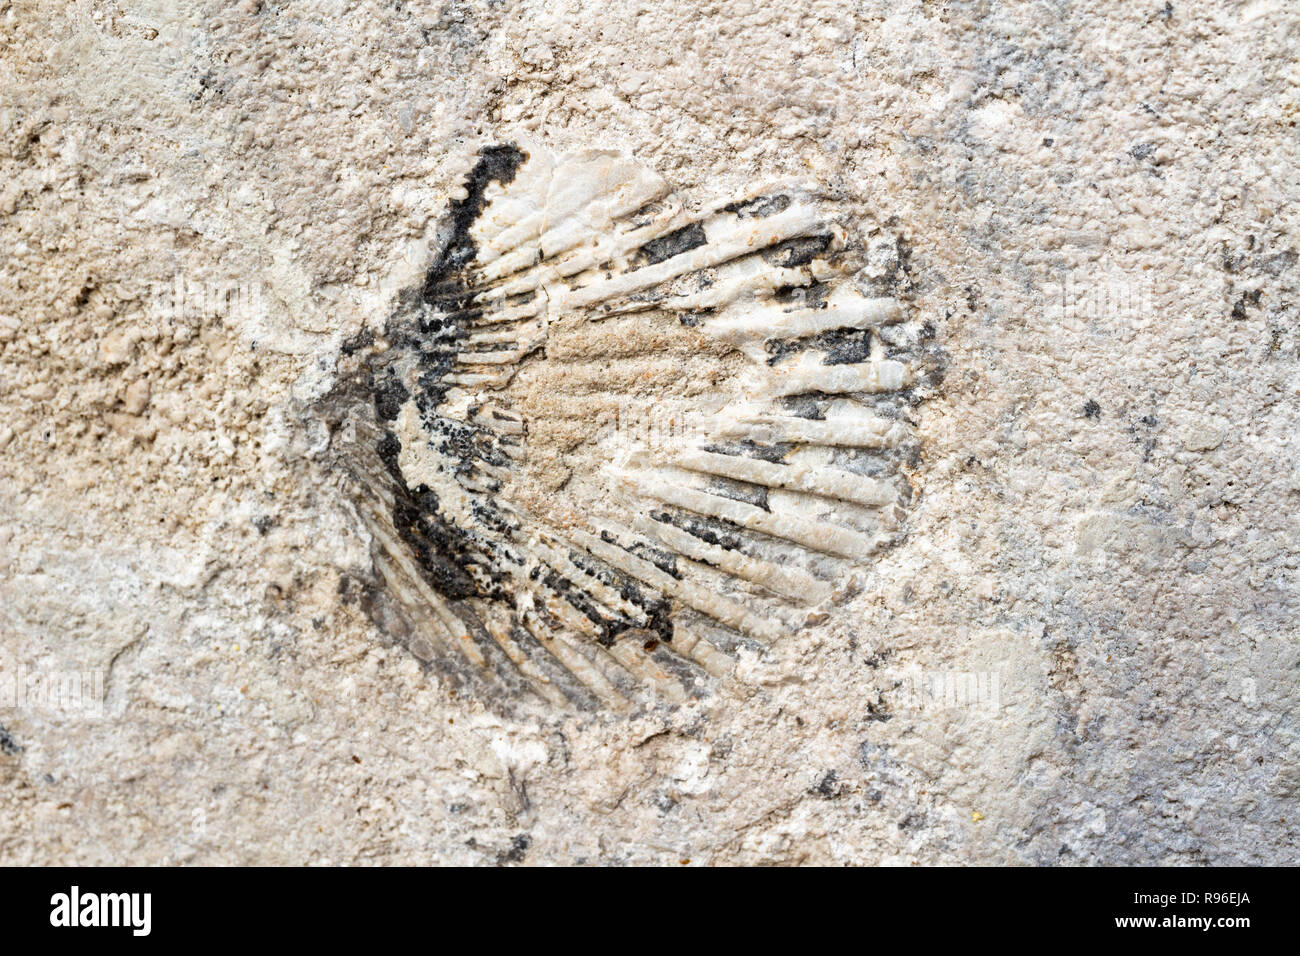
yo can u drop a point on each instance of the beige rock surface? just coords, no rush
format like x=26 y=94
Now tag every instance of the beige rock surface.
x=200 y=202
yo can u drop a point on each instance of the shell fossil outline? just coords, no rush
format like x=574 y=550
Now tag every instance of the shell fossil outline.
x=613 y=441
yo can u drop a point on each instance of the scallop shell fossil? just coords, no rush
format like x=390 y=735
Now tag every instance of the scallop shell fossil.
x=612 y=442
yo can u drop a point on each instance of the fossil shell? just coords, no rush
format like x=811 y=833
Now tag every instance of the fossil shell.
x=613 y=440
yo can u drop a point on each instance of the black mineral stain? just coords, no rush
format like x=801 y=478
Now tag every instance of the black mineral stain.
x=518 y=849
x=751 y=449
x=8 y=745
x=1248 y=299
x=760 y=207
x=443 y=286
x=665 y=561
x=841 y=346
x=449 y=558
x=826 y=787
x=742 y=491
x=673 y=244
x=710 y=530
x=1091 y=409
x=878 y=712
x=390 y=396
x=796 y=252
x=437 y=546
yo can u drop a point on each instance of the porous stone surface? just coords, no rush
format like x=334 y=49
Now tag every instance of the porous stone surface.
x=1082 y=651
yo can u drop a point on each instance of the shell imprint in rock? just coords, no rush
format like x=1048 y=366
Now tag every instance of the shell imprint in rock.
x=613 y=442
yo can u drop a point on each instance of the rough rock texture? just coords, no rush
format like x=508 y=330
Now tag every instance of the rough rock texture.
x=1084 y=651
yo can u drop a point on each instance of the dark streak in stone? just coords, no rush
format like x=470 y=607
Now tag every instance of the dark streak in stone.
x=8 y=745
x=673 y=244
x=796 y=252
x=760 y=207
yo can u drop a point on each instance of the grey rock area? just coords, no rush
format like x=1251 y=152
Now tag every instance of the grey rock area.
x=1083 y=647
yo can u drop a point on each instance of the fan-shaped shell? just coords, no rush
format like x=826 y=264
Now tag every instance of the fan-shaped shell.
x=614 y=439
